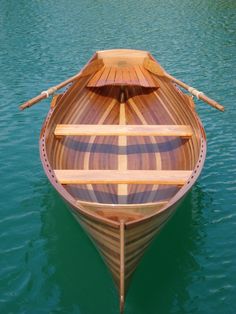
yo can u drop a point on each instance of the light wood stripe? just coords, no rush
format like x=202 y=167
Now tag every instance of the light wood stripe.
x=176 y=177
x=152 y=139
x=131 y=75
x=122 y=130
x=96 y=77
x=143 y=81
x=91 y=141
x=122 y=158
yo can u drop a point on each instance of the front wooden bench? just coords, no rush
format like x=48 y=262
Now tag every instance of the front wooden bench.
x=122 y=130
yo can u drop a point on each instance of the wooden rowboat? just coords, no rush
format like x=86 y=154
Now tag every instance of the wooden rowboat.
x=122 y=145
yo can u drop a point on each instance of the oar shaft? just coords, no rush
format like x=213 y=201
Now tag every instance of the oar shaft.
x=90 y=67
x=195 y=92
x=156 y=69
x=47 y=93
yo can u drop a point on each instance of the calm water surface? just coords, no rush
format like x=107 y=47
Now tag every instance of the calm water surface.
x=47 y=263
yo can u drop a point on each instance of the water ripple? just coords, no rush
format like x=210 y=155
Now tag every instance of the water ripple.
x=48 y=263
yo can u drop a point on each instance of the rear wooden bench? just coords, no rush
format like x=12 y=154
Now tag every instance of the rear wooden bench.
x=122 y=130
x=169 y=177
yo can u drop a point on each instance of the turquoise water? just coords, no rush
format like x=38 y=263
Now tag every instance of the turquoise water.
x=47 y=263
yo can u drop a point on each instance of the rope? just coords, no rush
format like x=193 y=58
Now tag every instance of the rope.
x=49 y=92
x=195 y=92
x=45 y=92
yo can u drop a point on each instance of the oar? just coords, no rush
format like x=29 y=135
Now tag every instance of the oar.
x=158 y=70
x=47 y=93
x=90 y=68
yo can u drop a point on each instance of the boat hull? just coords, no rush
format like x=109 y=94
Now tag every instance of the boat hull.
x=108 y=241
x=122 y=230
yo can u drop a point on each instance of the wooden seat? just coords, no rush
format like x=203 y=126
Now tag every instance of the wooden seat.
x=169 y=177
x=122 y=130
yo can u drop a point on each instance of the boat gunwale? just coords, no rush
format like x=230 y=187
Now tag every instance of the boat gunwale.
x=80 y=208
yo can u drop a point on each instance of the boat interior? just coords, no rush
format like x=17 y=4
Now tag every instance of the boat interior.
x=122 y=138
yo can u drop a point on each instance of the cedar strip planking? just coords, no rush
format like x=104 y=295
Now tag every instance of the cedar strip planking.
x=119 y=78
x=143 y=81
x=125 y=75
x=103 y=78
x=148 y=77
x=133 y=75
x=95 y=78
x=111 y=77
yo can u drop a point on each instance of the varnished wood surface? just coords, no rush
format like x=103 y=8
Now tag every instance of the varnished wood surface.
x=127 y=130
x=155 y=68
x=122 y=74
x=122 y=189
x=103 y=152
x=93 y=171
x=176 y=177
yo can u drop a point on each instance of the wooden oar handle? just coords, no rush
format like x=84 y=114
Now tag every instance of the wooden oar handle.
x=91 y=67
x=211 y=102
x=156 y=69
x=32 y=101
x=195 y=92
x=43 y=95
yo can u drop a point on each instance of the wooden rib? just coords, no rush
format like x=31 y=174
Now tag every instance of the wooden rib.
x=175 y=177
x=122 y=130
x=122 y=158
